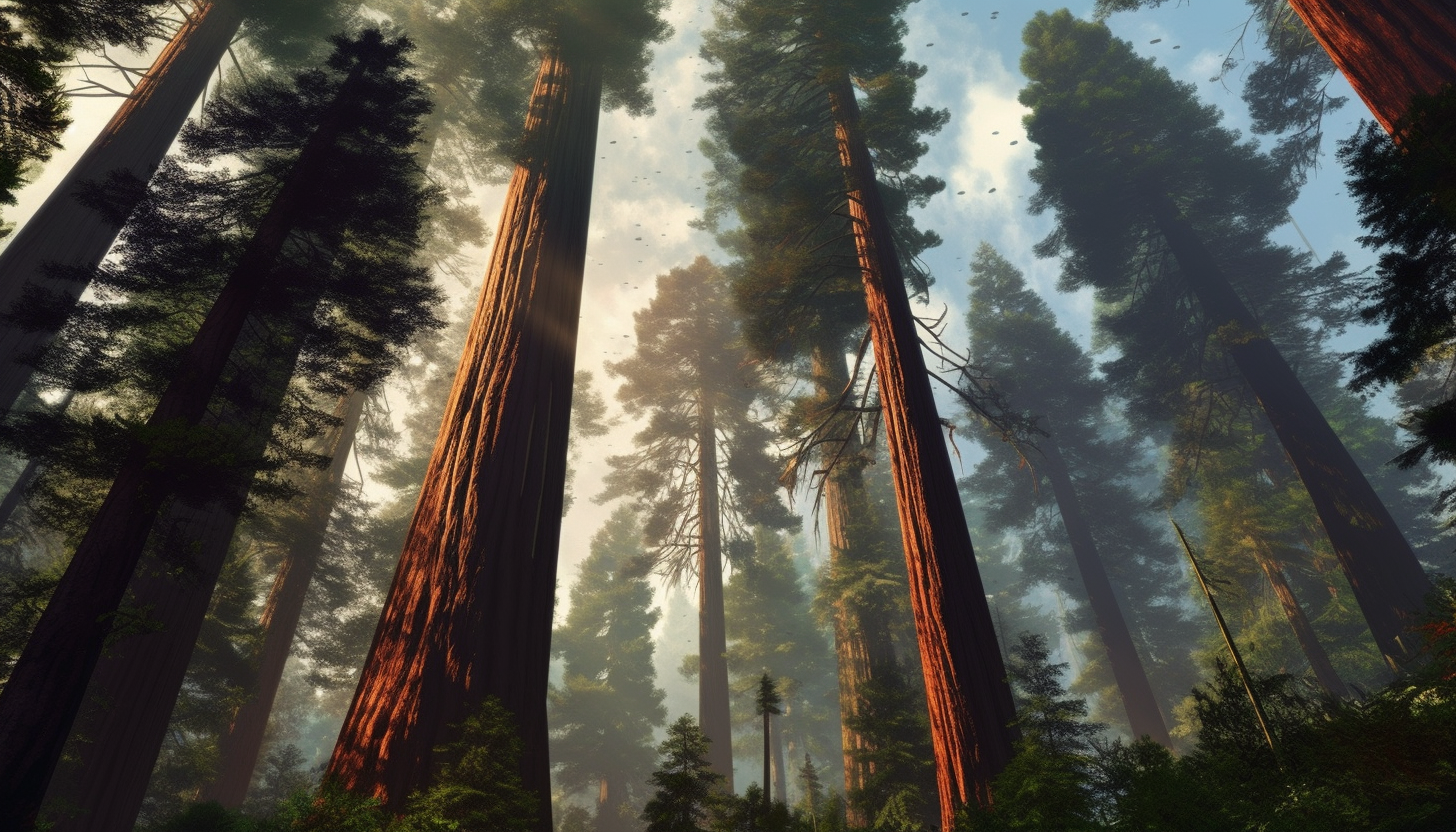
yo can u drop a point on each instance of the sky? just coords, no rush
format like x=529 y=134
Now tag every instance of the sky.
x=649 y=182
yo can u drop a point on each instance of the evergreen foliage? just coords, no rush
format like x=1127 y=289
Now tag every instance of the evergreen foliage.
x=608 y=704
x=684 y=784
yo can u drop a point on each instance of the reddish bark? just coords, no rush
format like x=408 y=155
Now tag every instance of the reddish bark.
x=1390 y=50
x=1143 y=715
x=713 y=715
x=1314 y=651
x=239 y=748
x=966 y=691
x=46 y=688
x=469 y=613
x=136 y=139
x=1389 y=584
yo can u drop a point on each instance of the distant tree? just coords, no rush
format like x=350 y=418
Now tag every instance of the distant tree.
x=493 y=497
x=774 y=631
x=348 y=135
x=1041 y=371
x=702 y=469
x=1138 y=205
x=608 y=703
x=684 y=781
x=766 y=703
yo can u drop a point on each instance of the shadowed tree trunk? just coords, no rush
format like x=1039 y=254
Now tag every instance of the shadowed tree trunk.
x=1390 y=50
x=239 y=748
x=44 y=693
x=1314 y=651
x=123 y=725
x=713 y=713
x=469 y=613
x=65 y=232
x=1389 y=584
x=1143 y=715
x=966 y=690
x=862 y=640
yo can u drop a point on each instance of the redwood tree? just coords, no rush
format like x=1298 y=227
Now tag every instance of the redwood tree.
x=356 y=119
x=480 y=557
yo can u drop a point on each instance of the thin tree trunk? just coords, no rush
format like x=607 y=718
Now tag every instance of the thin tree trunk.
x=136 y=139
x=862 y=640
x=780 y=774
x=44 y=693
x=1389 y=584
x=469 y=613
x=32 y=468
x=1314 y=651
x=713 y=713
x=1143 y=715
x=767 y=760
x=966 y=690
x=239 y=748
x=1390 y=50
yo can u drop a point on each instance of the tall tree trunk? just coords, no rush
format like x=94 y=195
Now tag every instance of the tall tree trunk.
x=39 y=703
x=469 y=613
x=862 y=640
x=130 y=700
x=768 y=756
x=780 y=774
x=1314 y=651
x=713 y=713
x=136 y=139
x=966 y=690
x=1389 y=584
x=239 y=748
x=1143 y=715
x=1390 y=50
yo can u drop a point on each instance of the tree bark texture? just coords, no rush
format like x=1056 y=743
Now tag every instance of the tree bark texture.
x=713 y=714
x=1143 y=715
x=1390 y=50
x=1389 y=584
x=65 y=232
x=862 y=639
x=966 y=690
x=129 y=702
x=240 y=747
x=48 y=683
x=469 y=613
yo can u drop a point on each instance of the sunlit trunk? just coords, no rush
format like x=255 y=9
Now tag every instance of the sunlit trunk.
x=469 y=613
x=40 y=701
x=136 y=139
x=1387 y=579
x=1390 y=50
x=239 y=748
x=965 y=679
x=862 y=640
x=1143 y=715
x=713 y=714
x=780 y=774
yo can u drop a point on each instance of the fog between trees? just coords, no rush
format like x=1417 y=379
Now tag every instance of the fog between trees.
x=830 y=381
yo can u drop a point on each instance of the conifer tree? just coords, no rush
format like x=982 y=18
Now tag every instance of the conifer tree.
x=684 y=780
x=486 y=528
x=702 y=469
x=608 y=703
x=809 y=57
x=1139 y=206
x=69 y=233
x=1043 y=372
x=351 y=125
